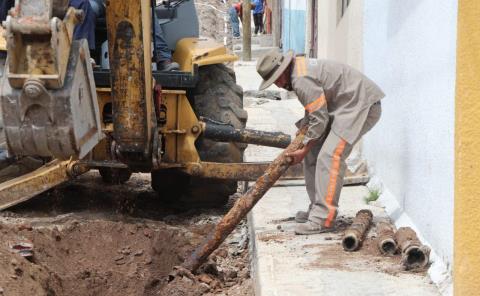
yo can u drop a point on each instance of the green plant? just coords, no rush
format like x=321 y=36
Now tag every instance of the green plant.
x=373 y=195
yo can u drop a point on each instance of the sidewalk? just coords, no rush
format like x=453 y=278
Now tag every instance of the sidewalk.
x=286 y=264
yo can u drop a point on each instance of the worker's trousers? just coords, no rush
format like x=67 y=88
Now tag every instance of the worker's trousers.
x=258 y=21
x=234 y=22
x=324 y=168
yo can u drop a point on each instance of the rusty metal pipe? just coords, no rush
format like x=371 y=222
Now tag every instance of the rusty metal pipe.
x=243 y=205
x=354 y=235
x=414 y=254
x=386 y=238
x=246 y=171
x=227 y=133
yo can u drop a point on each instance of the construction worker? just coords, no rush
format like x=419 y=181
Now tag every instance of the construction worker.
x=235 y=13
x=341 y=104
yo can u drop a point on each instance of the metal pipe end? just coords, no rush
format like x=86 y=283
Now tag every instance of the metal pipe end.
x=416 y=257
x=388 y=247
x=350 y=243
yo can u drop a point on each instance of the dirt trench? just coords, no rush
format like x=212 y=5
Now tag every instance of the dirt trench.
x=92 y=239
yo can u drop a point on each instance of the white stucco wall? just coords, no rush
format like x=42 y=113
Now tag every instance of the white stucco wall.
x=410 y=50
x=340 y=41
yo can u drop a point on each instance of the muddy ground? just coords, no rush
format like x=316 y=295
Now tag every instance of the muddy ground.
x=92 y=239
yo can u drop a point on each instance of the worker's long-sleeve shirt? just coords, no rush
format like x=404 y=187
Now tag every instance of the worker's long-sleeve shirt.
x=333 y=91
x=258 y=6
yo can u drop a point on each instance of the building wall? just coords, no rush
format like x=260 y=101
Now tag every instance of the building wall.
x=467 y=154
x=340 y=39
x=293 y=26
x=410 y=51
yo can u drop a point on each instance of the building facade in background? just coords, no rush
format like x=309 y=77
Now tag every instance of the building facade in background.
x=293 y=25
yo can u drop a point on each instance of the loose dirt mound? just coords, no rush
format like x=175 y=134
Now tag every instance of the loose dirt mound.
x=212 y=16
x=92 y=239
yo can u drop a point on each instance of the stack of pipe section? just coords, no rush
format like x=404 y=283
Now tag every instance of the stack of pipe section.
x=386 y=238
x=414 y=253
x=355 y=234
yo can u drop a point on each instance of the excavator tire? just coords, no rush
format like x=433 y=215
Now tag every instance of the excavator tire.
x=217 y=97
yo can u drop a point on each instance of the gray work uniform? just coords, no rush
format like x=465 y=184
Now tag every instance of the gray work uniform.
x=341 y=104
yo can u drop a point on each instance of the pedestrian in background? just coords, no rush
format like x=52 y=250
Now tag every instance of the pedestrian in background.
x=235 y=13
x=258 y=16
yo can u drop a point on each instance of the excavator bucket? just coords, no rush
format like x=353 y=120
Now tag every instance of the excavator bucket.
x=62 y=123
x=48 y=96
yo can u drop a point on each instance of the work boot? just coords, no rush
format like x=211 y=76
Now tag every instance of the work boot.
x=301 y=217
x=310 y=227
x=167 y=65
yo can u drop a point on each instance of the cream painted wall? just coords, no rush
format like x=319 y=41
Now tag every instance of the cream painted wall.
x=340 y=41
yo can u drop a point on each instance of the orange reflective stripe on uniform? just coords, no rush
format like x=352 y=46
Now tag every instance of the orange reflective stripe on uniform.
x=315 y=105
x=301 y=66
x=332 y=184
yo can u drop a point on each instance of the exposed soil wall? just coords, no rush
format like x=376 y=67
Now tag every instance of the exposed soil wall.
x=92 y=239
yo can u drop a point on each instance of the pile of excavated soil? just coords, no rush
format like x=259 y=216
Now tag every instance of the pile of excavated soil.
x=212 y=17
x=214 y=21
x=93 y=239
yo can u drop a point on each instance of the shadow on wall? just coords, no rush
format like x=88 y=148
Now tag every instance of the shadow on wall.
x=398 y=13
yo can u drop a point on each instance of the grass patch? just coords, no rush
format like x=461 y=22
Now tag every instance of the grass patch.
x=373 y=195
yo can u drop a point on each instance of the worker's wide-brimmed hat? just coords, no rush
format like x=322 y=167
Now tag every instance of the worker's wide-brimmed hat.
x=272 y=65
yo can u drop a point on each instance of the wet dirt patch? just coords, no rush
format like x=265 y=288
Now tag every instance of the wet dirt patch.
x=278 y=237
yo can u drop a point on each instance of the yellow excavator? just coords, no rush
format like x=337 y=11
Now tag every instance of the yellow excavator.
x=118 y=115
